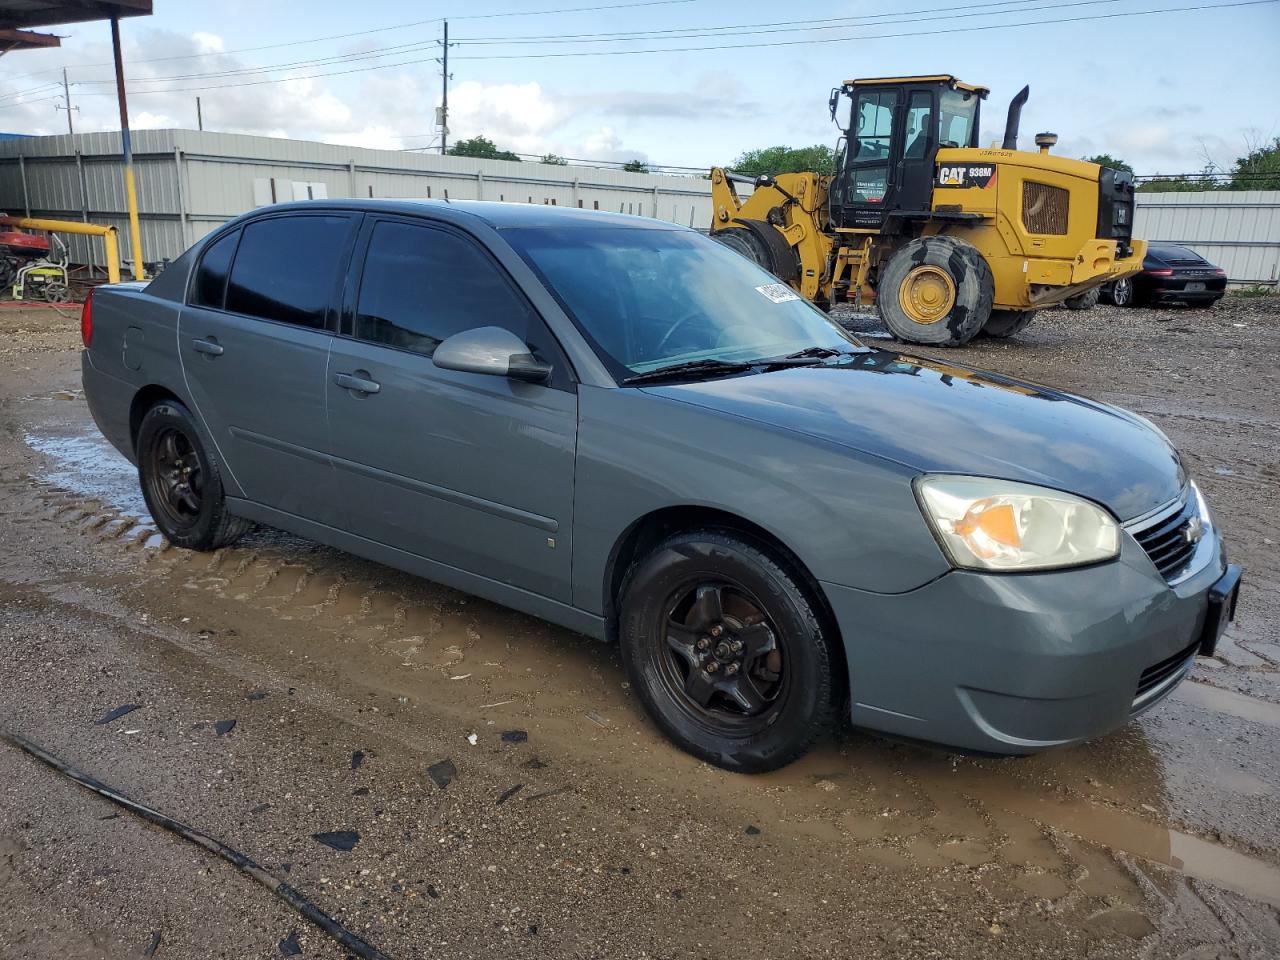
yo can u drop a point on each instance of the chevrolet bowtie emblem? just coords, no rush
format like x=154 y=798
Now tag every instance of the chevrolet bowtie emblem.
x=1194 y=530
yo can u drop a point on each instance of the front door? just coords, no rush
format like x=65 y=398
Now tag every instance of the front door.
x=913 y=185
x=469 y=470
x=867 y=178
x=254 y=342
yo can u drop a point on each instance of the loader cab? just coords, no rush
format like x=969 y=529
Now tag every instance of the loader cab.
x=892 y=132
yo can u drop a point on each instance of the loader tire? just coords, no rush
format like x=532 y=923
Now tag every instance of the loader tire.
x=1003 y=324
x=762 y=244
x=1084 y=301
x=935 y=291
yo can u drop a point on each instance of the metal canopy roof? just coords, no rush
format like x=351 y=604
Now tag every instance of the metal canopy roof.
x=26 y=40
x=45 y=13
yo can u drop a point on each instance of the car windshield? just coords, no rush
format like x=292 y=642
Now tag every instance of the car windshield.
x=648 y=298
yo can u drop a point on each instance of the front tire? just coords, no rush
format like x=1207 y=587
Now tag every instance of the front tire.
x=935 y=291
x=181 y=482
x=726 y=651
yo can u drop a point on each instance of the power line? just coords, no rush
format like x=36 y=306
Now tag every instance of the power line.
x=824 y=23
x=877 y=36
x=395 y=26
x=735 y=46
x=729 y=30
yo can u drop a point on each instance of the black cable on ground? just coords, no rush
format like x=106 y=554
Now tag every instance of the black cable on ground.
x=237 y=859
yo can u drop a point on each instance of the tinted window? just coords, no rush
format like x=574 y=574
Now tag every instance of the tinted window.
x=422 y=285
x=211 y=278
x=286 y=268
x=919 y=116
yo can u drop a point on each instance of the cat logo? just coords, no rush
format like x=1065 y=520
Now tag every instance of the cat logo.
x=967 y=175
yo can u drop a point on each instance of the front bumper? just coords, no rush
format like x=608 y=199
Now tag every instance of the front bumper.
x=1017 y=663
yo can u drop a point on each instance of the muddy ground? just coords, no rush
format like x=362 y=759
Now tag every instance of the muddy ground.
x=569 y=828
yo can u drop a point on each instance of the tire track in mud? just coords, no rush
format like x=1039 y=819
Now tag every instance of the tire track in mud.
x=1052 y=857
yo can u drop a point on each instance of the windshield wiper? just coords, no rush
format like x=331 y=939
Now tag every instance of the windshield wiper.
x=808 y=357
x=690 y=369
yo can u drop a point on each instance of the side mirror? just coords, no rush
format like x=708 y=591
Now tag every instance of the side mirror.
x=491 y=350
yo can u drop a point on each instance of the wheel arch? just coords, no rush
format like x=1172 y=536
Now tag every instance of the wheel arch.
x=144 y=400
x=648 y=531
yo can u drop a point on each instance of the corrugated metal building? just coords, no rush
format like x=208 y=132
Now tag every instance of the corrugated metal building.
x=190 y=181
x=1237 y=230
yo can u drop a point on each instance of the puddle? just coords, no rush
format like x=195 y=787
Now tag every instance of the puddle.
x=90 y=466
x=1228 y=701
x=1140 y=838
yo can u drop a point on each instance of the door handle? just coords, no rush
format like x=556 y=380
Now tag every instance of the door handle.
x=360 y=384
x=210 y=347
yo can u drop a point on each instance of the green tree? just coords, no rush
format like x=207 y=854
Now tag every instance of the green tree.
x=481 y=147
x=774 y=160
x=635 y=166
x=554 y=159
x=1259 y=169
x=1107 y=160
x=1182 y=183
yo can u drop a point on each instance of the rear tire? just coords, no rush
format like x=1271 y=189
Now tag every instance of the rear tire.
x=1123 y=293
x=1084 y=301
x=684 y=607
x=181 y=482
x=935 y=291
x=1003 y=324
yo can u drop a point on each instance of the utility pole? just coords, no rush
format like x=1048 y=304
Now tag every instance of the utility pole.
x=444 y=104
x=66 y=94
x=199 y=115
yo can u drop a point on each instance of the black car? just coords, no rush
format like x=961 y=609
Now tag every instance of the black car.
x=1170 y=274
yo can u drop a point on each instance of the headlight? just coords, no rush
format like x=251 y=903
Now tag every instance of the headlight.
x=1202 y=507
x=1001 y=525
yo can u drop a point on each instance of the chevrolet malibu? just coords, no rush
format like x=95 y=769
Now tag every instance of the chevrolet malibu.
x=625 y=428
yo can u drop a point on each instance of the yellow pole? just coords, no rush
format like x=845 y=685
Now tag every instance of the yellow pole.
x=110 y=236
x=130 y=186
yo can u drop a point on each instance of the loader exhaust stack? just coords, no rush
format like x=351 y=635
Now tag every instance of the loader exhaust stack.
x=1015 y=117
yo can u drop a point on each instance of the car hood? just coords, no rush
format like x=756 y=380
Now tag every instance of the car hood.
x=943 y=418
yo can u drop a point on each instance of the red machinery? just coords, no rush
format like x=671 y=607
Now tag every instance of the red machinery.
x=18 y=249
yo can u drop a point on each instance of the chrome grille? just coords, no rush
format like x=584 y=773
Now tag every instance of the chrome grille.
x=1044 y=208
x=1165 y=539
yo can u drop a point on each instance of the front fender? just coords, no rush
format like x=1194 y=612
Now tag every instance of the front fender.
x=851 y=518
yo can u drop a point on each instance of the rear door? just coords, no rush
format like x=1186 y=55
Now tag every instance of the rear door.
x=254 y=340
x=469 y=470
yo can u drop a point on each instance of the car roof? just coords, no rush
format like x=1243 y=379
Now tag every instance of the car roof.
x=499 y=215
x=1172 y=250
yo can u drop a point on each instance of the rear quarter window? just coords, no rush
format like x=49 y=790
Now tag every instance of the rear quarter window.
x=210 y=286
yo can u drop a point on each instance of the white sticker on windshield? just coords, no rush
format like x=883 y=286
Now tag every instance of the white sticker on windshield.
x=777 y=292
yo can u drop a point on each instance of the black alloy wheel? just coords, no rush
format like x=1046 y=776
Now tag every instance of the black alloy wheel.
x=182 y=482
x=725 y=648
x=175 y=478
x=724 y=662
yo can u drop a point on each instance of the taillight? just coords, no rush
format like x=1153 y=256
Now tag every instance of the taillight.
x=86 y=319
x=1220 y=272
x=1158 y=273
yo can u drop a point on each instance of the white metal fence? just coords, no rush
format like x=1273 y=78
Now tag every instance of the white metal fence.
x=1238 y=231
x=190 y=181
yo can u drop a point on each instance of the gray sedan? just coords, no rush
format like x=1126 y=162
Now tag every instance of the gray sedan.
x=625 y=428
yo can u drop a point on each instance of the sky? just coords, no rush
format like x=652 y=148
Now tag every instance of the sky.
x=1166 y=92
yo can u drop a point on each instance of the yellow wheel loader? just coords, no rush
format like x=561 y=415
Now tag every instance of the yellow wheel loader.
x=950 y=239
